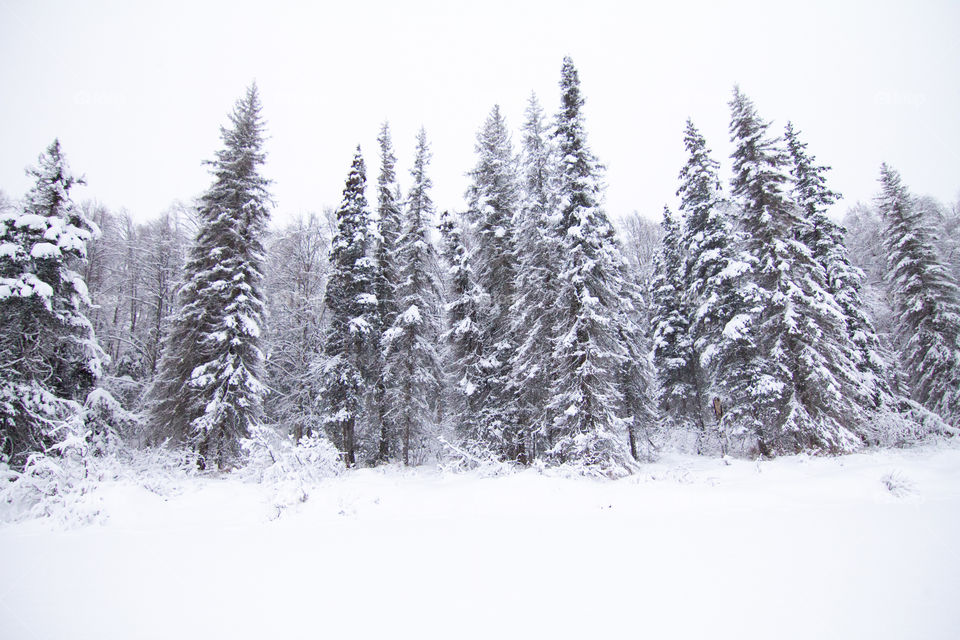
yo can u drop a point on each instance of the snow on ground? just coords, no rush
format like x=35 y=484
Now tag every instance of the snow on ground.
x=863 y=546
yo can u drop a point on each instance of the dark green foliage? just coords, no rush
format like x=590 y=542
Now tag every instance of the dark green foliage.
x=49 y=357
x=790 y=387
x=927 y=298
x=208 y=394
x=585 y=412
x=412 y=368
x=350 y=354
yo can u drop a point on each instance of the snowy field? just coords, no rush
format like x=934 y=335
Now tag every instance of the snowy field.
x=863 y=546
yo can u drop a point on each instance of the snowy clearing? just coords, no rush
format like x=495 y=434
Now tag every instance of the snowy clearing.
x=863 y=546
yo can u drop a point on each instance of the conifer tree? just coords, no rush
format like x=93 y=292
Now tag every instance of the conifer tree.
x=585 y=421
x=636 y=379
x=493 y=200
x=538 y=255
x=713 y=268
x=350 y=349
x=413 y=370
x=843 y=281
x=207 y=393
x=466 y=303
x=928 y=300
x=794 y=391
x=673 y=356
x=49 y=357
x=386 y=281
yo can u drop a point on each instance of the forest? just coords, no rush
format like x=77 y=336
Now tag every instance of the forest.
x=531 y=329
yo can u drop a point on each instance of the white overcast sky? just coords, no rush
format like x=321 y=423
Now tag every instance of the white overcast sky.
x=136 y=92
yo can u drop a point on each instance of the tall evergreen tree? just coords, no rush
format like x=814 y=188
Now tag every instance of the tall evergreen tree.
x=207 y=393
x=387 y=280
x=635 y=377
x=538 y=256
x=928 y=300
x=493 y=200
x=466 y=304
x=713 y=269
x=794 y=393
x=673 y=356
x=350 y=352
x=585 y=409
x=49 y=356
x=412 y=362
x=844 y=281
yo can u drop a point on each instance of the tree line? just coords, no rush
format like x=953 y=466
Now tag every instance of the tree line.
x=525 y=328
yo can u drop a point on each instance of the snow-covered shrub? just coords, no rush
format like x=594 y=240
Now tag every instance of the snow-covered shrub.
x=107 y=423
x=82 y=449
x=473 y=457
x=576 y=469
x=291 y=468
x=160 y=470
x=58 y=484
x=667 y=437
x=63 y=484
x=897 y=484
x=129 y=392
x=909 y=424
x=592 y=454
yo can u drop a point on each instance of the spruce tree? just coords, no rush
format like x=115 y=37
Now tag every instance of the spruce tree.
x=413 y=369
x=493 y=200
x=207 y=394
x=713 y=269
x=673 y=356
x=49 y=357
x=350 y=353
x=635 y=377
x=466 y=304
x=928 y=300
x=538 y=255
x=794 y=392
x=585 y=410
x=844 y=281
x=386 y=281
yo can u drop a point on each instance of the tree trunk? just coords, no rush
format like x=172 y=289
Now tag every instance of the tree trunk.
x=348 y=446
x=383 y=454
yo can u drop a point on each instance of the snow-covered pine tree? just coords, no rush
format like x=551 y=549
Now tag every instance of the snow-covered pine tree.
x=49 y=356
x=538 y=255
x=635 y=376
x=465 y=306
x=386 y=282
x=797 y=392
x=713 y=270
x=844 y=281
x=928 y=299
x=585 y=410
x=493 y=200
x=413 y=370
x=673 y=357
x=348 y=366
x=207 y=393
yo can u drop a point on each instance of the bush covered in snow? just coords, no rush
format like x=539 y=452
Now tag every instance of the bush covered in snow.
x=909 y=424
x=473 y=457
x=108 y=424
x=58 y=484
x=86 y=448
x=291 y=467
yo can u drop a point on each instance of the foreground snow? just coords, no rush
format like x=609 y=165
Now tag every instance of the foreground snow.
x=862 y=546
